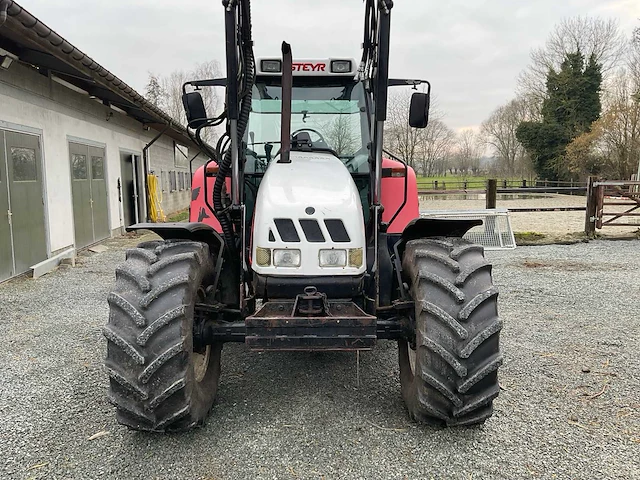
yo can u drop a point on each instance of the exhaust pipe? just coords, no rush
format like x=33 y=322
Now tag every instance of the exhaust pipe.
x=285 y=112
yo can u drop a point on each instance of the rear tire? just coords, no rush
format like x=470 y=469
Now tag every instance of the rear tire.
x=450 y=378
x=157 y=381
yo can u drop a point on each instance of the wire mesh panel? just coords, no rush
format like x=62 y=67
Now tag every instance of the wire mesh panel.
x=495 y=232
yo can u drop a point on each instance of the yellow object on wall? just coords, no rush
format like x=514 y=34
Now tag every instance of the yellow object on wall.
x=156 y=215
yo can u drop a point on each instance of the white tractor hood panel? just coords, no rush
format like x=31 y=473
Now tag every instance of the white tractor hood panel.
x=314 y=186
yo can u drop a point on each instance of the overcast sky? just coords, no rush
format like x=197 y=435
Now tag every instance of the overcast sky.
x=470 y=50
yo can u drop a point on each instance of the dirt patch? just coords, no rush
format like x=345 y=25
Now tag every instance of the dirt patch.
x=569 y=265
x=562 y=264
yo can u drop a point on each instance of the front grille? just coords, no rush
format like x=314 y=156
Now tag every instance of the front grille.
x=312 y=230
x=337 y=231
x=287 y=230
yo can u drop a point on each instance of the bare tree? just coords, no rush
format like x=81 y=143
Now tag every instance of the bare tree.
x=633 y=60
x=427 y=150
x=342 y=134
x=468 y=152
x=399 y=137
x=172 y=89
x=590 y=35
x=435 y=147
x=499 y=132
x=166 y=92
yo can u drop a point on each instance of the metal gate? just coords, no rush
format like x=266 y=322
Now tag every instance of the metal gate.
x=89 y=192
x=22 y=229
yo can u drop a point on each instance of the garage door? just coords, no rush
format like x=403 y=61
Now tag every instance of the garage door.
x=89 y=192
x=22 y=231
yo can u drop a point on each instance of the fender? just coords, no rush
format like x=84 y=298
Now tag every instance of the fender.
x=437 y=227
x=420 y=228
x=196 y=231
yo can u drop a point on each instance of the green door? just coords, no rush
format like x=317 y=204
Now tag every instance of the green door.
x=99 y=205
x=81 y=194
x=89 y=193
x=26 y=200
x=6 y=250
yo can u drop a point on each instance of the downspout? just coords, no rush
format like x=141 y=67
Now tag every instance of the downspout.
x=145 y=163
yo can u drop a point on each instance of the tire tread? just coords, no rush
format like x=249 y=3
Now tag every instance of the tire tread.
x=457 y=333
x=148 y=349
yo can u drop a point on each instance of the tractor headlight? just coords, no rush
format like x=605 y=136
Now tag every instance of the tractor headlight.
x=289 y=257
x=341 y=66
x=333 y=258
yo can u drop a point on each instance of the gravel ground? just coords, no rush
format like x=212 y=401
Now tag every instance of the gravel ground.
x=302 y=415
x=553 y=223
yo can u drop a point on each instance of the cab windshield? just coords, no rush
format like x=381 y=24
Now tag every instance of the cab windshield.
x=334 y=116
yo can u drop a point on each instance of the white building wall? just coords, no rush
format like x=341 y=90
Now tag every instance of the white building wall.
x=29 y=100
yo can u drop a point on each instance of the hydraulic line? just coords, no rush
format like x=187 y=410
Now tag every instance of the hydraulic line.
x=225 y=167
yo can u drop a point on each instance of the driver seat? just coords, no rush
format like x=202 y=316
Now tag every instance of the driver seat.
x=301 y=141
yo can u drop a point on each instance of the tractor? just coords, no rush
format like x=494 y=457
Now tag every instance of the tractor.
x=304 y=235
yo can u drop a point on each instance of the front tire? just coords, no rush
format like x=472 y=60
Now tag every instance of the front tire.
x=449 y=376
x=157 y=381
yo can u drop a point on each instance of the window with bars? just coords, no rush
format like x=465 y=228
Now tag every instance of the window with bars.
x=163 y=180
x=172 y=181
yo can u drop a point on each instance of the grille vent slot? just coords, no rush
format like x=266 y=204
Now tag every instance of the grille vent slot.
x=336 y=229
x=312 y=230
x=287 y=230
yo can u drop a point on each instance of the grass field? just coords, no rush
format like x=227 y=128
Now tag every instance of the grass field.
x=458 y=180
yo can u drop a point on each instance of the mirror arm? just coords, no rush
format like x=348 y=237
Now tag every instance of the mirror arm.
x=404 y=82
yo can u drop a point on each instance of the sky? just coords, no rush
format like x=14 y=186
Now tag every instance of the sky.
x=470 y=50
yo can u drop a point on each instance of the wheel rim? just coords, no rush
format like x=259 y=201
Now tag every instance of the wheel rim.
x=201 y=363
x=412 y=359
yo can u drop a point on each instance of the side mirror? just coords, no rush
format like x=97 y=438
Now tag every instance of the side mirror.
x=195 y=109
x=419 y=111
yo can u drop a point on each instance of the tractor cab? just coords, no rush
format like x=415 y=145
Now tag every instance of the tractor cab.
x=329 y=113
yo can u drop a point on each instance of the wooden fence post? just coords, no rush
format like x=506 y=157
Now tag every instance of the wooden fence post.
x=492 y=193
x=590 y=216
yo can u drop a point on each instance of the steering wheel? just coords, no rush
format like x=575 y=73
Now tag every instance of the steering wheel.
x=321 y=138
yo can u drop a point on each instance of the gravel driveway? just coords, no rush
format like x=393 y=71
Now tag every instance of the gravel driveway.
x=568 y=310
